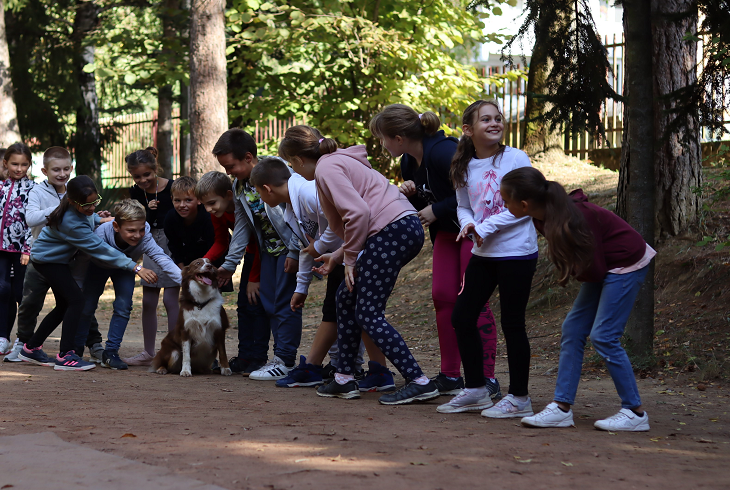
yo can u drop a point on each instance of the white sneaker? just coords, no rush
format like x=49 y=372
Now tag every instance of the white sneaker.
x=271 y=371
x=467 y=401
x=624 y=420
x=551 y=416
x=509 y=407
x=5 y=346
x=13 y=356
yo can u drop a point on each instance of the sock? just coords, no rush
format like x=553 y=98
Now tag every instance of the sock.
x=422 y=380
x=563 y=410
x=521 y=399
x=343 y=379
x=640 y=414
x=450 y=378
x=493 y=380
x=480 y=392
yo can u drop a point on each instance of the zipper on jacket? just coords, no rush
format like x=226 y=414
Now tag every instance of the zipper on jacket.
x=5 y=213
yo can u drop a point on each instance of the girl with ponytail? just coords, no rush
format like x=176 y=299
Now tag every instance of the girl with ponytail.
x=426 y=155
x=504 y=254
x=381 y=234
x=70 y=229
x=611 y=259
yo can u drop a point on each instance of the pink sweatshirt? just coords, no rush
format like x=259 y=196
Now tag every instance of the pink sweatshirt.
x=356 y=199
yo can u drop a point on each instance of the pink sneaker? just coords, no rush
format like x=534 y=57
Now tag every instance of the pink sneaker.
x=141 y=359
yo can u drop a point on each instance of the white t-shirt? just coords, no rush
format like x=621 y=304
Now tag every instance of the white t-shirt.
x=480 y=202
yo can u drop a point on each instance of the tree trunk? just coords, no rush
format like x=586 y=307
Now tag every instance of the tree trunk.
x=636 y=183
x=9 y=130
x=677 y=156
x=184 y=138
x=164 y=93
x=208 y=88
x=87 y=143
x=538 y=139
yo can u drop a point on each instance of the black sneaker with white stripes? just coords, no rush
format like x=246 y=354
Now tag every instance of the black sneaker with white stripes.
x=411 y=392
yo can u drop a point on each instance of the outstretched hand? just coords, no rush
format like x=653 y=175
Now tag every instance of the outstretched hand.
x=328 y=264
x=470 y=229
x=224 y=275
x=147 y=275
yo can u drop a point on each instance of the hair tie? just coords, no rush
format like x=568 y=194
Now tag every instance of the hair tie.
x=419 y=116
x=320 y=140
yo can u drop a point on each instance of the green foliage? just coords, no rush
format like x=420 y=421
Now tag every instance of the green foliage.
x=338 y=63
x=716 y=188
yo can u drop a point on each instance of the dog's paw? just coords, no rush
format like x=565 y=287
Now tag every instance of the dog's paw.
x=186 y=373
x=226 y=371
x=161 y=370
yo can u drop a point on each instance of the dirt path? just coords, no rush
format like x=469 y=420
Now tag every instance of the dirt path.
x=240 y=434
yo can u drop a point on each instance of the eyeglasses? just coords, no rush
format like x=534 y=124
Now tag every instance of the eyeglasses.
x=87 y=204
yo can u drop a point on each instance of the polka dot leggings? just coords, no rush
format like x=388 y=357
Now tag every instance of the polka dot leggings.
x=383 y=256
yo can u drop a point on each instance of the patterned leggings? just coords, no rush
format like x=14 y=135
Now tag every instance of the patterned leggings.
x=383 y=256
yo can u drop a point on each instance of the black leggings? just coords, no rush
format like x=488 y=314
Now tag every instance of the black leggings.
x=482 y=276
x=11 y=290
x=69 y=305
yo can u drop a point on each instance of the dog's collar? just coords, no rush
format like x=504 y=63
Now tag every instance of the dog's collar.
x=200 y=306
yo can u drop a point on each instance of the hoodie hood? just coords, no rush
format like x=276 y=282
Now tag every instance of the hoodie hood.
x=578 y=196
x=357 y=152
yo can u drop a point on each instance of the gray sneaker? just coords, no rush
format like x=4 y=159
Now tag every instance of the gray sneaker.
x=13 y=355
x=96 y=353
x=509 y=407
x=467 y=401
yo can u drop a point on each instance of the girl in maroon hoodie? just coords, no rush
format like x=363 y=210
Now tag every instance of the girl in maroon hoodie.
x=381 y=233
x=611 y=259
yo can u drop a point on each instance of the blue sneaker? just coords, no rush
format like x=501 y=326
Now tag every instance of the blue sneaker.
x=72 y=362
x=302 y=375
x=35 y=356
x=377 y=378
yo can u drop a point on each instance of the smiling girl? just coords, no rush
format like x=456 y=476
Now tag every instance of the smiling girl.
x=155 y=194
x=16 y=237
x=504 y=254
x=70 y=229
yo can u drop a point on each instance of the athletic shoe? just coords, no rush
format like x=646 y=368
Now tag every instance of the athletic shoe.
x=36 y=356
x=624 y=420
x=495 y=393
x=509 y=407
x=5 y=346
x=237 y=364
x=13 y=355
x=141 y=359
x=252 y=367
x=411 y=392
x=348 y=391
x=466 y=401
x=96 y=353
x=110 y=359
x=271 y=371
x=328 y=372
x=72 y=362
x=303 y=375
x=448 y=386
x=551 y=416
x=377 y=378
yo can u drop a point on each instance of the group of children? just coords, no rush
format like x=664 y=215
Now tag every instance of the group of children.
x=318 y=208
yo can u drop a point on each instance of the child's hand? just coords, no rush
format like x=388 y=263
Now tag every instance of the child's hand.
x=252 y=292
x=24 y=259
x=147 y=275
x=104 y=214
x=408 y=188
x=291 y=266
x=224 y=275
x=297 y=301
x=350 y=275
x=152 y=204
x=107 y=219
x=327 y=266
x=310 y=248
x=470 y=229
x=426 y=216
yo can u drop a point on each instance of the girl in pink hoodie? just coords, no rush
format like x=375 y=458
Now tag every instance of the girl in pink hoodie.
x=381 y=233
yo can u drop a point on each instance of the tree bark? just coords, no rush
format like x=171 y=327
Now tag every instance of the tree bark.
x=184 y=138
x=87 y=144
x=208 y=87
x=164 y=93
x=9 y=130
x=677 y=156
x=636 y=184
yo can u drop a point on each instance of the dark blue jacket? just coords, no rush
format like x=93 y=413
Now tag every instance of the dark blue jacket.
x=433 y=174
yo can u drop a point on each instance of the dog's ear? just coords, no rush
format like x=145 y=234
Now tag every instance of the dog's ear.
x=189 y=270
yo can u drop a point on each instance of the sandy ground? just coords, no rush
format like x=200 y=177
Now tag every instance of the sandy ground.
x=239 y=433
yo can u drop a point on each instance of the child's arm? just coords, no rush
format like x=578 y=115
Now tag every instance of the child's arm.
x=463 y=210
x=327 y=240
x=241 y=236
x=34 y=215
x=83 y=238
x=159 y=257
x=222 y=239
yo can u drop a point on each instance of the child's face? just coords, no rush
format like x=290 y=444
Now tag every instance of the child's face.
x=487 y=128
x=144 y=177
x=240 y=169
x=58 y=172
x=16 y=166
x=268 y=196
x=87 y=207
x=185 y=203
x=519 y=209
x=304 y=168
x=393 y=145
x=131 y=232
x=217 y=205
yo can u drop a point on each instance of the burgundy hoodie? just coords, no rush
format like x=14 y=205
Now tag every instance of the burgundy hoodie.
x=616 y=243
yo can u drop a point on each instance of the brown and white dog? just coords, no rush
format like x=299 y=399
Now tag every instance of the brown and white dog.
x=200 y=332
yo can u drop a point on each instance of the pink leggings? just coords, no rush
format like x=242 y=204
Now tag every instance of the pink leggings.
x=450 y=259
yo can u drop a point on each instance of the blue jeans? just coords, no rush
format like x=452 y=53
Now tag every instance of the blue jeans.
x=277 y=288
x=123 y=281
x=253 y=325
x=600 y=311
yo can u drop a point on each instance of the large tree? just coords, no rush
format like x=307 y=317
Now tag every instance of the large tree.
x=208 y=86
x=9 y=130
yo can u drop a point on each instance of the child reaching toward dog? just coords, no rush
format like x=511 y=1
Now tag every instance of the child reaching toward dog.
x=611 y=259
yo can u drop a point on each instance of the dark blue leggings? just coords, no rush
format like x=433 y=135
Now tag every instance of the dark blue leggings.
x=384 y=254
x=11 y=290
